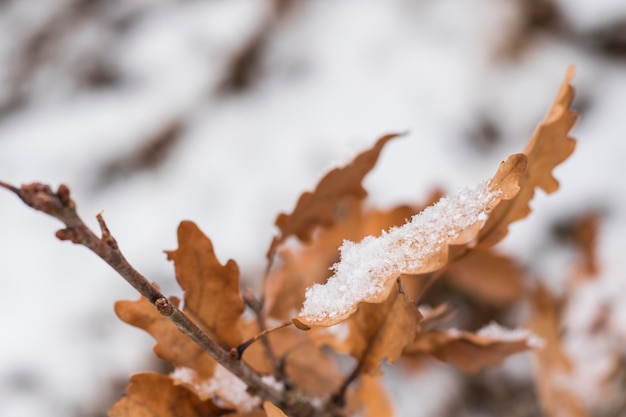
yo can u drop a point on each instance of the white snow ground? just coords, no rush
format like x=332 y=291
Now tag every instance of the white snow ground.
x=335 y=76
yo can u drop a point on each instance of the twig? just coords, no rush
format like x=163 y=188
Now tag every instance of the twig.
x=238 y=351
x=257 y=307
x=61 y=206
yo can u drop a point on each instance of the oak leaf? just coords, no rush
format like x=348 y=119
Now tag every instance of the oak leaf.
x=582 y=232
x=381 y=331
x=471 y=352
x=552 y=362
x=211 y=290
x=297 y=356
x=367 y=270
x=487 y=276
x=272 y=411
x=305 y=364
x=172 y=345
x=299 y=269
x=211 y=300
x=155 y=395
x=549 y=146
x=369 y=399
x=316 y=208
x=478 y=218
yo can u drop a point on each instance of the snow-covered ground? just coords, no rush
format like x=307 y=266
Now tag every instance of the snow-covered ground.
x=85 y=83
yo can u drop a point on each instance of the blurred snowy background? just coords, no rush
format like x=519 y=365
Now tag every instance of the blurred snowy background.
x=224 y=111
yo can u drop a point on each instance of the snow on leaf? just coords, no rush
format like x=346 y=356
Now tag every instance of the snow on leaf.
x=494 y=332
x=549 y=146
x=172 y=345
x=228 y=390
x=155 y=395
x=212 y=296
x=471 y=352
x=316 y=208
x=367 y=270
x=287 y=283
x=272 y=411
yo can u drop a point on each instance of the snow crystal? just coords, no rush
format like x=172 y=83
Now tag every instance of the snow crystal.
x=365 y=266
x=271 y=381
x=222 y=387
x=340 y=331
x=496 y=332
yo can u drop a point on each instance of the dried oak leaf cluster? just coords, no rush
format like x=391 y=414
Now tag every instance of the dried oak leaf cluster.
x=361 y=299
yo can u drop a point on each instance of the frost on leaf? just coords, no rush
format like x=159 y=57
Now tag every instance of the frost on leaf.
x=316 y=208
x=549 y=146
x=299 y=269
x=155 y=395
x=212 y=296
x=471 y=352
x=367 y=270
x=227 y=390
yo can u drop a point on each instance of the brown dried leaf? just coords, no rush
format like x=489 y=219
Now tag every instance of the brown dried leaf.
x=306 y=365
x=405 y=256
x=369 y=399
x=470 y=352
x=286 y=284
x=546 y=322
x=155 y=395
x=586 y=237
x=381 y=331
x=317 y=208
x=489 y=277
x=212 y=296
x=172 y=345
x=582 y=231
x=298 y=357
x=272 y=411
x=549 y=146
x=552 y=363
x=253 y=413
x=434 y=316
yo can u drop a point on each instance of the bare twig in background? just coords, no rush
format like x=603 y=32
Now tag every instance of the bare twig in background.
x=150 y=153
x=243 y=69
x=46 y=47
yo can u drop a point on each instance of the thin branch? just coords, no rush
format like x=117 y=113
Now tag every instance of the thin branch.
x=257 y=307
x=238 y=351
x=8 y=187
x=59 y=205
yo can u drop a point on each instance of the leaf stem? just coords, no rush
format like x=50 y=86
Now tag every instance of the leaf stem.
x=257 y=306
x=238 y=351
